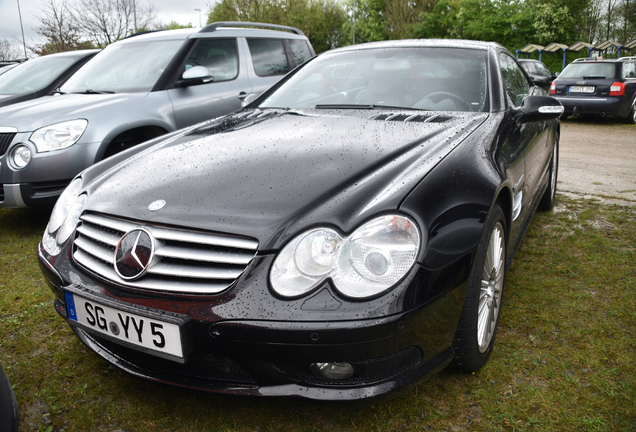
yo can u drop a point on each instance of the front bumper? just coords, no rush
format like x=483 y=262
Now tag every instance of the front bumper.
x=610 y=105
x=43 y=194
x=272 y=357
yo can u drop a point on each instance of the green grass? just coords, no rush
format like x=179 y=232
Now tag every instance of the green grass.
x=564 y=359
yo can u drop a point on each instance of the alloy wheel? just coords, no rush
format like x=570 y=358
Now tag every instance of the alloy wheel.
x=491 y=288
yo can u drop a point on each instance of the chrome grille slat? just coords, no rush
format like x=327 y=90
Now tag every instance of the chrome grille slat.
x=95 y=249
x=100 y=236
x=204 y=239
x=193 y=271
x=149 y=283
x=204 y=255
x=114 y=224
x=184 y=261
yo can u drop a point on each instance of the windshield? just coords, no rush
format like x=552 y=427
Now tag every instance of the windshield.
x=124 y=68
x=441 y=79
x=4 y=69
x=34 y=75
x=589 y=70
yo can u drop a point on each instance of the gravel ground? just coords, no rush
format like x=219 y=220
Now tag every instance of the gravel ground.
x=598 y=159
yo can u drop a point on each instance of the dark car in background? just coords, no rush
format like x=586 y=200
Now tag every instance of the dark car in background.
x=41 y=76
x=342 y=236
x=540 y=74
x=134 y=90
x=598 y=87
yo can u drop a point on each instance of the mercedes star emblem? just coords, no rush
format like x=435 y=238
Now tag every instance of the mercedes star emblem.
x=134 y=254
x=156 y=205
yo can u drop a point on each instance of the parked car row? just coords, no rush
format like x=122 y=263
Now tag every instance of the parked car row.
x=343 y=235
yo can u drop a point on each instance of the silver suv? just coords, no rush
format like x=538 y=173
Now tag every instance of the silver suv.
x=135 y=90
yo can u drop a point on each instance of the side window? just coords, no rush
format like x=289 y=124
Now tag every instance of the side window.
x=300 y=51
x=543 y=71
x=629 y=70
x=218 y=55
x=529 y=67
x=268 y=56
x=515 y=83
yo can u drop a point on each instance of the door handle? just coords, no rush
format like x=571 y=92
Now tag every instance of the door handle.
x=242 y=95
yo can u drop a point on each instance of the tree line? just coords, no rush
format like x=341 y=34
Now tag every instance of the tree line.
x=77 y=24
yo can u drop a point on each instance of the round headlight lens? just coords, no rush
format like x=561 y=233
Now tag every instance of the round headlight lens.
x=374 y=258
x=71 y=219
x=305 y=262
x=377 y=256
x=317 y=252
x=21 y=156
x=63 y=205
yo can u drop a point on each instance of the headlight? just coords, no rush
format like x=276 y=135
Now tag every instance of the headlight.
x=21 y=156
x=58 y=136
x=374 y=258
x=66 y=213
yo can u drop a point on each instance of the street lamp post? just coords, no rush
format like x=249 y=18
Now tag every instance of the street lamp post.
x=199 y=16
x=22 y=28
x=135 y=15
x=354 y=22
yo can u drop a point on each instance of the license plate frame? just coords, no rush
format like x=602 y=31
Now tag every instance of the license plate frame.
x=582 y=89
x=154 y=334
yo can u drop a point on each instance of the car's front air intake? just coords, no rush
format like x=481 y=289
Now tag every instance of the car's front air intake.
x=182 y=261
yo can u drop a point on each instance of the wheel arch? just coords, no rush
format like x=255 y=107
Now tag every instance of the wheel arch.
x=129 y=137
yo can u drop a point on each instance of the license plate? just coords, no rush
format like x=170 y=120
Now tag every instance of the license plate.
x=581 y=89
x=148 y=334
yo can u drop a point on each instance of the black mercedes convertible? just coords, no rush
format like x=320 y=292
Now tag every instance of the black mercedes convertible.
x=343 y=235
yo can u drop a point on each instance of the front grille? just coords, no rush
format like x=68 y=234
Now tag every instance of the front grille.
x=199 y=365
x=188 y=262
x=366 y=371
x=5 y=140
x=418 y=118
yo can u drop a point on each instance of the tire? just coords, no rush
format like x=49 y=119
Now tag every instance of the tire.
x=477 y=328
x=549 y=196
x=631 y=118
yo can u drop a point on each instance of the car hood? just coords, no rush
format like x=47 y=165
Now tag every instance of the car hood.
x=33 y=114
x=268 y=178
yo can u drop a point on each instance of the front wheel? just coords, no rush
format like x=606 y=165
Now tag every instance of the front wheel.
x=549 y=196
x=475 y=334
x=631 y=118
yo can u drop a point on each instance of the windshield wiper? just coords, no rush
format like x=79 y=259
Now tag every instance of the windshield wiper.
x=58 y=91
x=89 y=91
x=369 y=107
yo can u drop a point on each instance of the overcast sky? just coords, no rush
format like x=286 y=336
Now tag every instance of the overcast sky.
x=181 y=11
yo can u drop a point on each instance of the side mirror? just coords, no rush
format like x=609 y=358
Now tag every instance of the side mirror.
x=194 y=76
x=249 y=99
x=537 y=108
x=556 y=74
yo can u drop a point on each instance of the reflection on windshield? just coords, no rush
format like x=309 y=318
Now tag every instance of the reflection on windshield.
x=123 y=68
x=439 y=79
x=34 y=75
